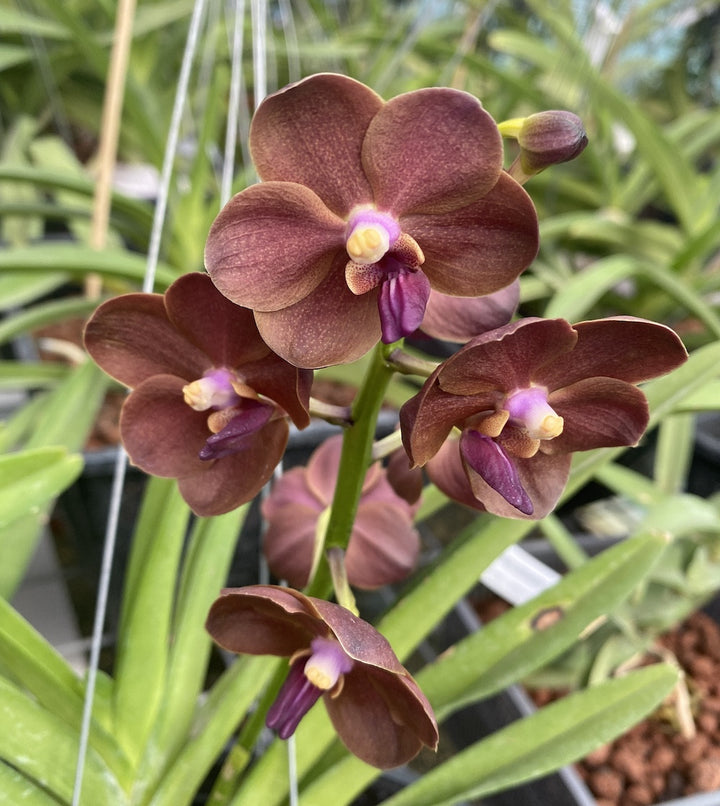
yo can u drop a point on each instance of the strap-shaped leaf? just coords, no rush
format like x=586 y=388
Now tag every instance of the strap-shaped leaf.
x=552 y=737
x=526 y=637
x=45 y=748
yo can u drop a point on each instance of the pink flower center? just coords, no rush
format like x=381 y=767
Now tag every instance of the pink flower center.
x=383 y=256
x=530 y=409
x=370 y=234
x=215 y=390
x=312 y=673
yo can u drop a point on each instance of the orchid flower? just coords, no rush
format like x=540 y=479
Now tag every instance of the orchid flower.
x=376 y=707
x=365 y=206
x=524 y=397
x=210 y=401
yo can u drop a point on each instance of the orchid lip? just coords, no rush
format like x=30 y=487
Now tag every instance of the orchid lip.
x=240 y=425
x=311 y=675
x=496 y=468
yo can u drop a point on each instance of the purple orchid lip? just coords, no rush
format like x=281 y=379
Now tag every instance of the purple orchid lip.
x=310 y=676
x=238 y=431
x=496 y=468
x=402 y=301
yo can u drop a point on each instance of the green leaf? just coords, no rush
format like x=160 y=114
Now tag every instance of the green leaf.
x=18 y=790
x=45 y=748
x=207 y=561
x=30 y=478
x=145 y=631
x=38 y=668
x=516 y=643
x=584 y=289
x=552 y=737
x=19 y=288
x=227 y=705
x=45 y=313
x=79 y=261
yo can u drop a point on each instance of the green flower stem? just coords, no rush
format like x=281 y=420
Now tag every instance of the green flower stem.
x=354 y=461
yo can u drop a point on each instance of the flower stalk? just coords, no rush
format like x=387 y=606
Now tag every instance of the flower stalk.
x=355 y=459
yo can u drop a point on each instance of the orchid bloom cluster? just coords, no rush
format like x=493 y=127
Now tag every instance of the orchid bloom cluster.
x=373 y=220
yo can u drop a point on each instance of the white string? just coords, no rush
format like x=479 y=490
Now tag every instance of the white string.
x=100 y=610
x=121 y=458
x=231 y=133
x=181 y=94
x=258 y=10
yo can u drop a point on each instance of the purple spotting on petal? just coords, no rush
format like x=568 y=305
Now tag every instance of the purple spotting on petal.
x=496 y=468
x=530 y=408
x=309 y=677
x=403 y=297
x=239 y=431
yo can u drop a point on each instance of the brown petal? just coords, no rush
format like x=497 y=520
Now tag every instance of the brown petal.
x=272 y=244
x=360 y=640
x=311 y=132
x=598 y=413
x=506 y=358
x=131 y=338
x=161 y=433
x=383 y=548
x=222 y=330
x=460 y=319
x=382 y=718
x=428 y=417
x=283 y=383
x=431 y=150
x=479 y=248
x=330 y=326
x=263 y=620
x=626 y=348
x=227 y=483
x=289 y=541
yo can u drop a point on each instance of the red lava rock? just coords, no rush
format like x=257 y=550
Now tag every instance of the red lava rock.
x=630 y=763
x=598 y=756
x=607 y=783
x=653 y=762
x=705 y=775
x=662 y=759
x=640 y=795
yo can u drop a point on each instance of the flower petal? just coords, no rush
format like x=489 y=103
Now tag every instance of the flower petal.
x=221 y=329
x=289 y=541
x=263 y=620
x=460 y=319
x=431 y=150
x=131 y=338
x=164 y=436
x=626 y=348
x=329 y=326
x=283 y=383
x=383 y=548
x=481 y=247
x=272 y=244
x=598 y=413
x=428 y=417
x=161 y=433
x=311 y=132
x=383 y=719
x=506 y=358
